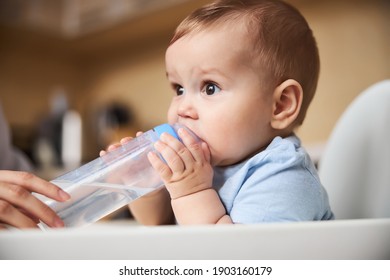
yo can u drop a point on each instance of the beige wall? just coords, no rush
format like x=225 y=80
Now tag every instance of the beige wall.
x=353 y=38
x=354 y=44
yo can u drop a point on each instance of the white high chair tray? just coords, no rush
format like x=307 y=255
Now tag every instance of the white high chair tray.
x=340 y=239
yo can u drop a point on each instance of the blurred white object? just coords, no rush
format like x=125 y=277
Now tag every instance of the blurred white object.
x=355 y=167
x=71 y=139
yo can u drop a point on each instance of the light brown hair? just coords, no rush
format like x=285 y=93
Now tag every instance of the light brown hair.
x=283 y=43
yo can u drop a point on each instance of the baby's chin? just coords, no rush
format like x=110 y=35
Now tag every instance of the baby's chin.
x=221 y=162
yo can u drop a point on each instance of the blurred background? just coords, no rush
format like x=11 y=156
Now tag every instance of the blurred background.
x=103 y=61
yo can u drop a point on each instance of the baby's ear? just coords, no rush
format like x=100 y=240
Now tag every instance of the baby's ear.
x=287 y=101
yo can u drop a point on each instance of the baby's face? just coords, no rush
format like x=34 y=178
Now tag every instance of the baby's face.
x=218 y=93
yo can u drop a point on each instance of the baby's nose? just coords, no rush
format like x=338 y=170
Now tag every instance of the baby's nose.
x=187 y=108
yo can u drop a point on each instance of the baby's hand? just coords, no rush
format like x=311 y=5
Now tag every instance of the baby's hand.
x=187 y=167
x=117 y=145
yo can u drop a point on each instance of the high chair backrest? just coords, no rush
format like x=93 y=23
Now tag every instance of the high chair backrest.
x=355 y=167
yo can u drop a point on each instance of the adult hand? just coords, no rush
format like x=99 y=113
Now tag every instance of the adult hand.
x=19 y=208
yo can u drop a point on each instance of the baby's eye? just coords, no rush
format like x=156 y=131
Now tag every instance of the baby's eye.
x=211 y=89
x=179 y=90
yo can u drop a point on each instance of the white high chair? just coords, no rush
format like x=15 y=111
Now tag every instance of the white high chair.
x=355 y=167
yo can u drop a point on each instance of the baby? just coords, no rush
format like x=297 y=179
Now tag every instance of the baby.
x=243 y=74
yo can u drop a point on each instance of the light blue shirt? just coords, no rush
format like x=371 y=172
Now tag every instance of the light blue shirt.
x=278 y=184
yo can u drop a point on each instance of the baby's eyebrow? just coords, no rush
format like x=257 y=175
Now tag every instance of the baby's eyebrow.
x=170 y=74
x=170 y=77
x=214 y=71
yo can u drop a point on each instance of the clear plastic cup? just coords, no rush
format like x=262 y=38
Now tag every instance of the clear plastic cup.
x=109 y=182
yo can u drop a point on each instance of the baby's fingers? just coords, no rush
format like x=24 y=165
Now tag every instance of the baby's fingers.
x=109 y=149
x=177 y=156
x=115 y=146
x=125 y=140
x=162 y=169
x=193 y=145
